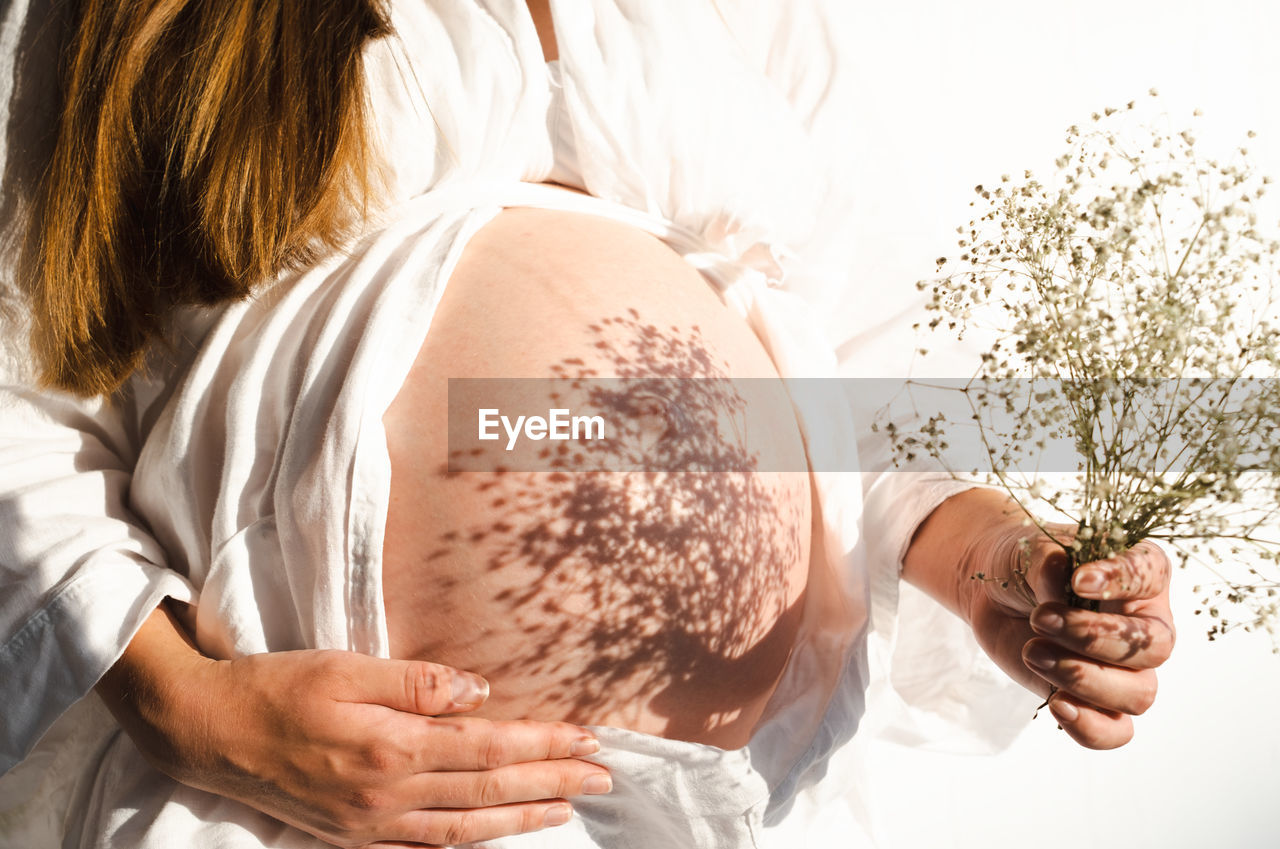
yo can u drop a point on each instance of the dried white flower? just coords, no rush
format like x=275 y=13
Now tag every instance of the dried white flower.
x=1135 y=316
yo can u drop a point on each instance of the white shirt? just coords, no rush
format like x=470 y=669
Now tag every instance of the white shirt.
x=717 y=127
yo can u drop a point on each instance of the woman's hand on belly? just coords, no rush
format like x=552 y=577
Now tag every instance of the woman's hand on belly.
x=353 y=749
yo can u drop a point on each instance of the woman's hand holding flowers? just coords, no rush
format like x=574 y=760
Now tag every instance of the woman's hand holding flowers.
x=1097 y=669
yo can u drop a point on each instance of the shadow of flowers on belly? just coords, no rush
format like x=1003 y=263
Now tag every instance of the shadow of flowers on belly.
x=670 y=586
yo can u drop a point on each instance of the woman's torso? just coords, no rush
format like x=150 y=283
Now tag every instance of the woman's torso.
x=670 y=113
x=247 y=470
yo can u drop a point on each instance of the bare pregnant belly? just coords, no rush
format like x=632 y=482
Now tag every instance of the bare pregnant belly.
x=664 y=602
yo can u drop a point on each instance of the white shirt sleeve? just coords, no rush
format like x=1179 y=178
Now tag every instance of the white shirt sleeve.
x=78 y=573
x=931 y=683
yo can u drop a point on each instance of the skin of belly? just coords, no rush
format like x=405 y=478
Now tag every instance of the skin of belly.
x=662 y=601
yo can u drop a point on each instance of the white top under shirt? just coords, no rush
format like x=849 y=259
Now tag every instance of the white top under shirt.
x=717 y=127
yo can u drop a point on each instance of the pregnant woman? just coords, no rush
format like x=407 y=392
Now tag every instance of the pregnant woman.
x=619 y=189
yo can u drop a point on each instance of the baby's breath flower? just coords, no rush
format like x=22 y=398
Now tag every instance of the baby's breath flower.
x=1132 y=302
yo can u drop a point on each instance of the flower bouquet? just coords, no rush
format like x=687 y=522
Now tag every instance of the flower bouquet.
x=1132 y=306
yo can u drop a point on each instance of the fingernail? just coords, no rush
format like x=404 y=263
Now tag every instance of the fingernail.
x=584 y=746
x=1089 y=581
x=557 y=815
x=1040 y=656
x=469 y=690
x=597 y=784
x=1048 y=621
x=1063 y=710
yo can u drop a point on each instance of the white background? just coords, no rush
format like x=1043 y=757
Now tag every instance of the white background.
x=954 y=94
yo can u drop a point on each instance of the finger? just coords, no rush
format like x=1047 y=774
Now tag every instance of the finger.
x=1130 y=691
x=527 y=782
x=1137 y=641
x=1140 y=572
x=1089 y=726
x=464 y=743
x=411 y=686
x=449 y=828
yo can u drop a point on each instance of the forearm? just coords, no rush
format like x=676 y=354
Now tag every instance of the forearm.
x=149 y=690
x=952 y=544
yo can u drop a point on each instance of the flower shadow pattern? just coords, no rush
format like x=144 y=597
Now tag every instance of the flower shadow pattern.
x=646 y=584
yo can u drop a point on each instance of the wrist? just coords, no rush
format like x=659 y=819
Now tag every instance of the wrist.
x=958 y=546
x=993 y=567
x=159 y=690
x=185 y=718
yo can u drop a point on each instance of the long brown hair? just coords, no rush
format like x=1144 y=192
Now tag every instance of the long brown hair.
x=202 y=146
